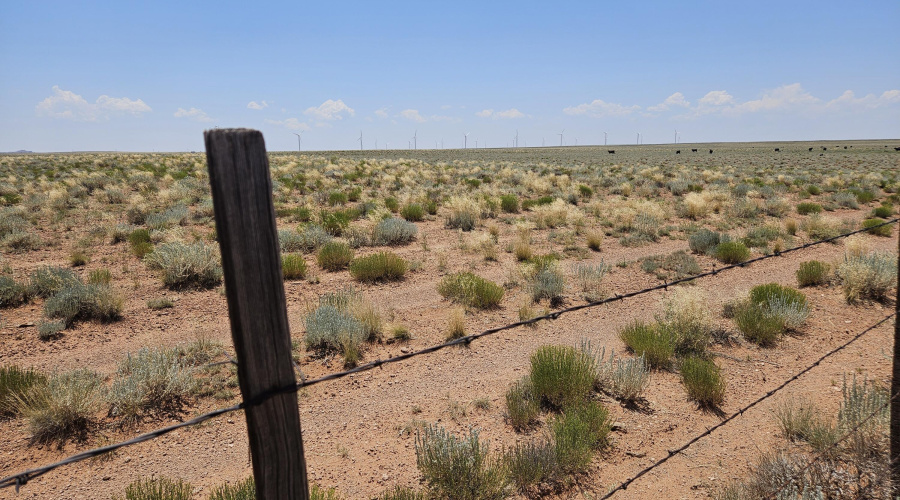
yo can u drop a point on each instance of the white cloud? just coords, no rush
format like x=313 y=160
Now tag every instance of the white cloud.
x=257 y=105
x=675 y=100
x=849 y=100
x=330 y=110
x=500 y=115
x=716 y=98
x=382 y=113
x=599 y=108
x=412 y=115
x=193 y=114
x=290 y=124
x=69 y=105
x=781 y=98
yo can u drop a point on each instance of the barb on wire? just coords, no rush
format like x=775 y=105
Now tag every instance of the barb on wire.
x=623 y=485
x=831 y=447
x=20 y=479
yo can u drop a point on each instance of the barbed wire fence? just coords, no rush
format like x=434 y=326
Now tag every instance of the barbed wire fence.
x=20 y=479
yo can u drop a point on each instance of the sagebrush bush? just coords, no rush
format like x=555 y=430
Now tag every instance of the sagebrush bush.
x=531 y=463
x=703 y=381
x=624 y=379
x=243 y=490
x=812 y=273
x=63 y=408
x=867 y=277
x=12 y=293
x=312 y=236
x=821 y=228
x=334 y=256
x=864 y=408
x=84 y=302
x=655 y=345
x=471 y=290
x=186 y=265
x=293 y=266
x=522 y=407
x=561 y=376
x=459 y=468
x=782 y=302
x=704 y=241
x=150 y=380
x=158 y=489
x=546 y=281
x=379 y=266
x=590 y=280
x=15 y=383
x=402 y=493
x=393 y=231
x=581 y=429
x=732 y=252
x=47 y=281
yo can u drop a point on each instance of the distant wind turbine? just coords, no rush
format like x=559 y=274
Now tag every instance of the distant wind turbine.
x=360 y=140
x=517 y=137
x=415 y=140
x=561 y=136
x=465 y=140
x=299 y=140
x=637 y=139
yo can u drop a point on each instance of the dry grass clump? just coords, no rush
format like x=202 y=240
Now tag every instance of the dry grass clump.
x=151 y=381
x=867 y=277
x=545 y=279
x=590 y=280
x=381 y=266
x=293 y=266
x=15 y=383
x=625 y=379
x=334 y=256
x=812 y=273
x=63 y=408
x=185 y=265
x=471 y=290
x=161 y=488
x=459 y=468
x=342 y=322
x=12 y=293
x=456 y=323
x=465 y=213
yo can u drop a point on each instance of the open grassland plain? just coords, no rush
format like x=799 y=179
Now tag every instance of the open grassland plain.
x=112 y=308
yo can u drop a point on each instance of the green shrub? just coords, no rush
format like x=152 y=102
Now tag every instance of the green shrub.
x=459 y=468
x=139 y=241
x=392 y=204
x=15 y=383
x=394 y=231
x=509 y=203
x=413 y=212
x=293 y=266
x=869 y=276
x=150 y=380
x=812 y=273
x=874 y=226
x=47 y=281
x=783 y=302
x=814 y=190
x=522 y=408
x=334 y=223
x=732 y=252
x=703 y=381
x=561 y=376
x=655 y=345
x=581 y=429
x=808 y=207
x=756 y=324
x=64 y=407
x=337 y=198
x=531 y=463
x=802 y=421
x=84 y=302
x=244 y=490
x=585 y=191
x=185 y=265
x=884 y=211
x=377 y=267
x=402 y=493
x=431 y=207
x=863 y=195
x=334 y=256
x=704 y=241
x=471 y=290
x=78 y=258
x=100 y=277
x=158 y=489
x=12 y=293
x=50 y=329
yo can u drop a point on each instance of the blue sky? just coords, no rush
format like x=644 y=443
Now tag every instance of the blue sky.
x=152 y=76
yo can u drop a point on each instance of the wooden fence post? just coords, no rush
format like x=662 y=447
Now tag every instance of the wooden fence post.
x=895 y=391
x=251 y=259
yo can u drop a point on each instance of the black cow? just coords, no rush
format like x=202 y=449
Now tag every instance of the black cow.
x=845 y=147
x=710 y=151
x=810 y=149
x=777 y=149
x=678 y=152
x=611 y=151
x=693 y=151
x=824 y=148
x=896 y=149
